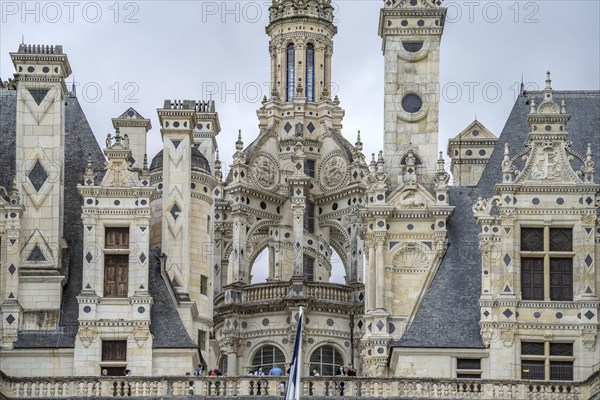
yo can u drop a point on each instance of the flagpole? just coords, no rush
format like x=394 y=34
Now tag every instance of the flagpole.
x=299 y=371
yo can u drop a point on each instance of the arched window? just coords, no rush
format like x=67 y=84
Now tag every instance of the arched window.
x=268 y=357
x=310 y=72
x=291 y=71
x=338 y=272
x=260 y=270
x=325 y=359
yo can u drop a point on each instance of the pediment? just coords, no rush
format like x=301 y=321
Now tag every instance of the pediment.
x=411 y=195
x=475 y=131
x=548 y=164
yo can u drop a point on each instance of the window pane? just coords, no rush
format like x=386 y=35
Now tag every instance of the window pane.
x=268 y=357
x=532 y=370
x=309 y=268
x=310 y=72
x=204 y=285
x=561 y=349
x=202 y=340
x=309 y=217
x=309 y=168
x=561 y=279
x=532 y=239
x=466 y=363
x=561 y=239
x=532 y=278
x=561 y=370
x=291 y=71
x=532 y=349
x=325 y=359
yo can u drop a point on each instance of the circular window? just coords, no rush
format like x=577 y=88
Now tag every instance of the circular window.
x=412 y=103
x=475 y=132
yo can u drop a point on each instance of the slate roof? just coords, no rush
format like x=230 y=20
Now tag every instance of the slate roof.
x=166 y=326
x=449 y=314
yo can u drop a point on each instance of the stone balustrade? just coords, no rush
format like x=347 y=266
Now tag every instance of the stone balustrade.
x=426 y=388
x=274 y=292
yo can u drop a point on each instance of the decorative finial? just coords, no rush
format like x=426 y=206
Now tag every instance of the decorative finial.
x=359 y=144
x=548 y=81
x=218 y=172
x=533 y=106
x=239 y=145
x=145 y=165
x=563 y=106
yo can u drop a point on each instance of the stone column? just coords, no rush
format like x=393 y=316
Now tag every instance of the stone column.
x=380 y=271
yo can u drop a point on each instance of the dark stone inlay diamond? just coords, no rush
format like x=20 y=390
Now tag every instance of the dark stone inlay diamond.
x=507 y=260
x=380 y=325
x=143 y=258
x=486 y=313
x=507 y=199
x=507 y=313
x=311 y=128
x=288 y=127
x=175 y=211
x=89 y=257
x=38 y=94
x=589 y=314
x=36 y=255
x=588 y=260
x=12 y=269
x=10 y=319
x=589 y=201
x=37 y=176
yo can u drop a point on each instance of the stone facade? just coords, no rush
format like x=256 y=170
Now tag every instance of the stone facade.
x=111 y=261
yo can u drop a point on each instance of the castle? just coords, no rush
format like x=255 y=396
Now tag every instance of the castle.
x=113 y=261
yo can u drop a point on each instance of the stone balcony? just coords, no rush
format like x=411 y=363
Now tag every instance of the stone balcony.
x=277 y=296
x=266 y=388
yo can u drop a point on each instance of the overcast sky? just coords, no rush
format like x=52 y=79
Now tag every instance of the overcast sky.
x=139 y=53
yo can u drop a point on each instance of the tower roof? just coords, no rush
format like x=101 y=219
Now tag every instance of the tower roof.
x=285 y=9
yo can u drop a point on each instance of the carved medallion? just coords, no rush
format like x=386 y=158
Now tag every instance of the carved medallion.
x=334 y=172
x=265 y=171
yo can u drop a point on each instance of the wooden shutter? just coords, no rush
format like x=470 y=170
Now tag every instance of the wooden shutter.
x=532 y=278
x=114 y=350
x=561 y=279
x=117 y=238
x=116 y=275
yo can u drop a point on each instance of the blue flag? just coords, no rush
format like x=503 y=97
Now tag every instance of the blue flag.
x=293 y=387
